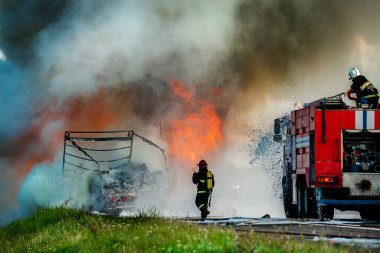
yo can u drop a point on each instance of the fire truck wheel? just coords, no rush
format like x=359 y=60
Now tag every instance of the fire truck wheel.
x=325 y=212
x=301 y=199
x=372 y=214
x=289 y=208
x=312 y=205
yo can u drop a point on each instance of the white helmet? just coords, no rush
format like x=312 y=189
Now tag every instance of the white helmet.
x=353 y=72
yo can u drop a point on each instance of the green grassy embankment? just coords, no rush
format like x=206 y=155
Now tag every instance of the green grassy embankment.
x=67 y=230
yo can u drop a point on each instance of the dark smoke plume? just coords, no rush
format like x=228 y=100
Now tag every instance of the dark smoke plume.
x=280 y=43
x=21 y=22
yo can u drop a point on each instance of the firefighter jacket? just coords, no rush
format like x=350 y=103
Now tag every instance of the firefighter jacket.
x=200 y=179
x=363 y=88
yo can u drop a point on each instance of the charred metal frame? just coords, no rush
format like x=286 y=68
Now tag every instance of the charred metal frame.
x=71 y=136
x=127 y=135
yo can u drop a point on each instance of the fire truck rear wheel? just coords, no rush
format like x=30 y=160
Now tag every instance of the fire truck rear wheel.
x=289 y=208
x=302 y=199
x=370 y=214
x=325 y=212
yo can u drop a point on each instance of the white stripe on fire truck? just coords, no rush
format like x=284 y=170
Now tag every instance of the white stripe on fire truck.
x=364 y=119
x=370 y=119
x=358 y=119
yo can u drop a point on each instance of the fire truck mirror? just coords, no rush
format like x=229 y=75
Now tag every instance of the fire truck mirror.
x=280 y=129
x=277 y=138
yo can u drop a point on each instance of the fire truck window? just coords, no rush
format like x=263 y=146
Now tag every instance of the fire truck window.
x=361 y=152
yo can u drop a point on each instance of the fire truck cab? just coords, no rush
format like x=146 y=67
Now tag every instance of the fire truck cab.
x=331 y=158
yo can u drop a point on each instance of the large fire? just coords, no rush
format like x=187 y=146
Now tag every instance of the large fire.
x=192 y=128
x=195 y=131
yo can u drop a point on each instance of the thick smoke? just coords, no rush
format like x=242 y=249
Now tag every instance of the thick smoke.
x=126 y=41
x=96 y=65
x=300 y=49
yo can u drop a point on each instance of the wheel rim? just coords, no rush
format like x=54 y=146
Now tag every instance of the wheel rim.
x=301 y=203
x=305 y=202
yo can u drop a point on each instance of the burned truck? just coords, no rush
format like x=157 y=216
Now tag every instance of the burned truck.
x=331 y=159
x=102 y=159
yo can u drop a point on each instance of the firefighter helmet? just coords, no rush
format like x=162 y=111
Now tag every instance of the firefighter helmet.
x=353 y=72
x=202 y=164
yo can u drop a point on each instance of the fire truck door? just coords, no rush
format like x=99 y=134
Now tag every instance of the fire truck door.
x=328 y=136
x=328 y=143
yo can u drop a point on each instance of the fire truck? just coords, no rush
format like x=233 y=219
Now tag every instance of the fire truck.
x=331 y=155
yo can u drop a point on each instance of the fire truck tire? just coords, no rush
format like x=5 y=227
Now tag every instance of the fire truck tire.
x=311 y=205
x=370 y=214
x=325 y=212
x=289 y=208
x=301 y=199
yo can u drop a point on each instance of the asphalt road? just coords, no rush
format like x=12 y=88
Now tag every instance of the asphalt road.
x=339 y=231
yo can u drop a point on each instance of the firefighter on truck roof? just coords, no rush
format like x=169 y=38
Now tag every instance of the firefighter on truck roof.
x=367 y=95
x=204 y=179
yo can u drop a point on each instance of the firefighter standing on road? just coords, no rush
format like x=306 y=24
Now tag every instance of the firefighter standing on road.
x=204 y=180
x=366 y=93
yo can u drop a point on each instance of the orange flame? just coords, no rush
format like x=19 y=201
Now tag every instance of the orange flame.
x=193 y=134
x=196 y=130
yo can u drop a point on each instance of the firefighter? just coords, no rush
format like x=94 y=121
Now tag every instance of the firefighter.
x=204 y=179
x=366 y=93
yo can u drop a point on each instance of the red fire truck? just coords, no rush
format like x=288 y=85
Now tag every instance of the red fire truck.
x=331 y=159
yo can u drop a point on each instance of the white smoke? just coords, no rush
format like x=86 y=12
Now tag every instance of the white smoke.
x=128 y=40
x=2 y=56
x=48 y=185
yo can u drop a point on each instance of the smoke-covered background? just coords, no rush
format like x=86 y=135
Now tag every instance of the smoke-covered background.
x=105 y=65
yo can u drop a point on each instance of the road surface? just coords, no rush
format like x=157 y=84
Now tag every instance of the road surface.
x=339 y=231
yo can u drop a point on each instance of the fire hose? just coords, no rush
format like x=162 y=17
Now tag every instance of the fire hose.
x=349 y=95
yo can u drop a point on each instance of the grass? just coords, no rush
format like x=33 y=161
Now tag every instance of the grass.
x=66 y=230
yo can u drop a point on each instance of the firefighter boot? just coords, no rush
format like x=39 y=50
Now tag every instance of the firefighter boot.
x=204 y=214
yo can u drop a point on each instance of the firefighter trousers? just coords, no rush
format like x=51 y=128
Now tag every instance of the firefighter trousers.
x=201 y=201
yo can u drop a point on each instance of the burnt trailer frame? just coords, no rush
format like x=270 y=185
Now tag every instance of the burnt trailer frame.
x=315 y=142
x=73 y=136
x=126 y=135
